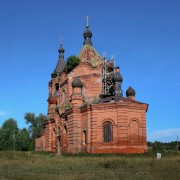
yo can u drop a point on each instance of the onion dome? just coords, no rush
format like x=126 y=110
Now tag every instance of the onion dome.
x=87 y=32
x=87 y=36
x=117 y=77
x=77 y=83
x=130 y=92
x=61 y=49
x=53 y=100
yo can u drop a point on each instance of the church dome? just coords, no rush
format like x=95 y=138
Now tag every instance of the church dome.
x=77 y=83
x=87 y=32
x=52 y=100
x=61 y=49
x=130 y=92
x=117 y=77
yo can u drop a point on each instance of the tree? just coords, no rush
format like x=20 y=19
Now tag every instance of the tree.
x=71 y=63
x=8 y=134
x=36 y=126
x=23 y=140
x=161 y=146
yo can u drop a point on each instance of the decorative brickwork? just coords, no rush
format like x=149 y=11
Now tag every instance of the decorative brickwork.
x=80 y=121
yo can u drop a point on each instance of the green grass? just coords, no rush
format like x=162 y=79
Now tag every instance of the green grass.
x=44 y=165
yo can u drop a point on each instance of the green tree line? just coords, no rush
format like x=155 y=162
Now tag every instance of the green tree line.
x=13 y=138
x=158 y=146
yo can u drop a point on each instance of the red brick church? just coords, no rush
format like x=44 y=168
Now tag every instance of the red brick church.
x=87 y=111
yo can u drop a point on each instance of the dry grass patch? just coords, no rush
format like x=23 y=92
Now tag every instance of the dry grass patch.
x=31 y=165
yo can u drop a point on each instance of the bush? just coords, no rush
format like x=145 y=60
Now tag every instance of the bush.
x=71 y=63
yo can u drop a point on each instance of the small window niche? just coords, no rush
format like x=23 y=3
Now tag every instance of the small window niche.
x=84 y=137
x=56 y=89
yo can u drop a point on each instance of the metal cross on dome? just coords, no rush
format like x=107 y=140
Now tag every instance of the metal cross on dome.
x=61 y=41
x=87 y=20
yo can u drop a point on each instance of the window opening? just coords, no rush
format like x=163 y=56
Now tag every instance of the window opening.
x=107 y=132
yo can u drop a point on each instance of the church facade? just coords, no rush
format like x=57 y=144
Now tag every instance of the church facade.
x=87 y=111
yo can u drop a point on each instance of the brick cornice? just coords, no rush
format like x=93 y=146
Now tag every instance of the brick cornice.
x=112 y=106
x=85 y=108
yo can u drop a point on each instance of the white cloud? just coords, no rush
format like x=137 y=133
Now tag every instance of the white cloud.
x=164 y=135
x=2 y=113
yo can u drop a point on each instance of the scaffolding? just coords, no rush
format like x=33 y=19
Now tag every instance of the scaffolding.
x=108 y=72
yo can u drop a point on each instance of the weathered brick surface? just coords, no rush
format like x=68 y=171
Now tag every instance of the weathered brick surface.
x=75 y=124
x=129 y=129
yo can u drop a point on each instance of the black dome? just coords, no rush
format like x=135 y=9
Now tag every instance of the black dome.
x=130 y=92
x=87 y=32
x=117 y=77
x=61 y=49
x=77 y=83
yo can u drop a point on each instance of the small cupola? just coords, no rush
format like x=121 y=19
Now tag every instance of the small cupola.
x=87 y=34
x=77 y=83
x=52 y=100
x=77 y=98
x=61 y=50
x=117 y=77
x=130 y=93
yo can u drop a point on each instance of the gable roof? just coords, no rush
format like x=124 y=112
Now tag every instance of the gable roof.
x=90 y=55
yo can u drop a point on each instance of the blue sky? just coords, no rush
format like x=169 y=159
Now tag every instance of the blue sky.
x=143 y=35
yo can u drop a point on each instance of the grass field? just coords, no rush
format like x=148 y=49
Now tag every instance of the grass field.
x=33 y=165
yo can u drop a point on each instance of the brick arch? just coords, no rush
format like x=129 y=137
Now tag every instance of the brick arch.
x=133 y=131
x=108 y=119
x=135 y=119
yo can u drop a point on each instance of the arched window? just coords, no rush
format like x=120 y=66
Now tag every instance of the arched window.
x=56 y=89
x=84 y=137
x=107 y=132
x=58 y=140
x=65 y=135
x=59 y=136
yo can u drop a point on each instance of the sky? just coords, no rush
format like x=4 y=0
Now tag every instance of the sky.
x=143 y=35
